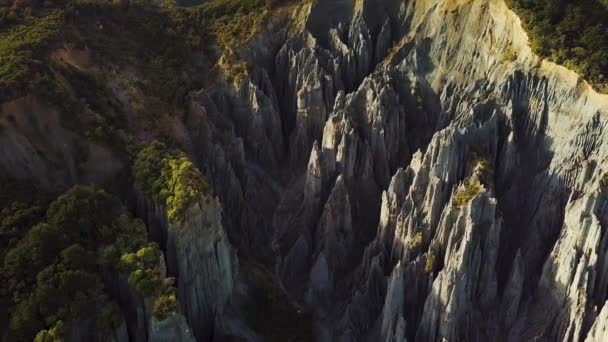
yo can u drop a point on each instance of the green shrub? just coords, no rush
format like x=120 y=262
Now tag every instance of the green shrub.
x=415 y=241
x=510 y=55
x=168 y=176
x=429 y=264
x=54 y=334
x=19 y=45
x=470 y=188
x=143 y=269
x=164 y=306
x=53 y=270
x=15 y=221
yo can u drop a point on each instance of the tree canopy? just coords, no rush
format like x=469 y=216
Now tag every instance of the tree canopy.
x=168 y=176
x=571 y=33
x=53 y=267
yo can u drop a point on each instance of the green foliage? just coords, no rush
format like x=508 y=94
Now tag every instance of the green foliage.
x=236 y=71
x=83 y=213
x=69 y=287
x=164 y=306
x=54 y=334
x=20 y=44
x=25 y=321
x=158 y=41
x=415 y=241
x=147 y=168
x=130 y=234
x=143 y=269
x=429 y=264
x=484 y=171
x=235 y=29
x=168 y=176
x=15 y=220
x=53 y=270
x=471 y=187
x=571 y=33
x=109 y=316
x=510 y=55
x=185 y=186
x=65 y=289
x=221 y=8
x=482 y=176
x=31 y=255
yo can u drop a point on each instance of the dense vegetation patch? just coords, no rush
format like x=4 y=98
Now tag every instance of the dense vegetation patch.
x=414 y=241
x=481 y=177
x=470 y=188
x=19 y=44
x=430 y=263
x=165 y=305
x=52 y=269
x=571 y=33
x=168 y=176
x=159 y=38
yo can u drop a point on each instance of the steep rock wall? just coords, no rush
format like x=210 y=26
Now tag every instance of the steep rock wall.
x=459 y=88
x=203 y=263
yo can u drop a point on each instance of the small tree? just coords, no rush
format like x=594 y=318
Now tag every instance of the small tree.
x=429 y=265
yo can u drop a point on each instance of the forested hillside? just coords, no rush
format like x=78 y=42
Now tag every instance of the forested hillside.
x=65 y=249
x=571 y=33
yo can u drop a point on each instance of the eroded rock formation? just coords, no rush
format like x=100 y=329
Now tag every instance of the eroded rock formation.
x=405 y=175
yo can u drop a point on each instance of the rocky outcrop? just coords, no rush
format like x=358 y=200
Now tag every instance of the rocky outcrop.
x=36 y=147
x=173 y=328
x=419 y=151
x=87 y=330
x=204 y=263
x=393 y=323
x=598 y=331
x=202 y=260
x=467 y=285
x=136 y=322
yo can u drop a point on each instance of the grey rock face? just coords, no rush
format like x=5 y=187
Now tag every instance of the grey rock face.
x=173 y=328
x=599 y=331
x=204 y=263
x=432 y=189
x=393 y=324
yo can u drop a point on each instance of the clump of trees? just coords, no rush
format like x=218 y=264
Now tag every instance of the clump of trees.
x=20 y=44
x=165 y=305
x=168 y=176
x=571 y=33
x=470 y=188
x=52 y=269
